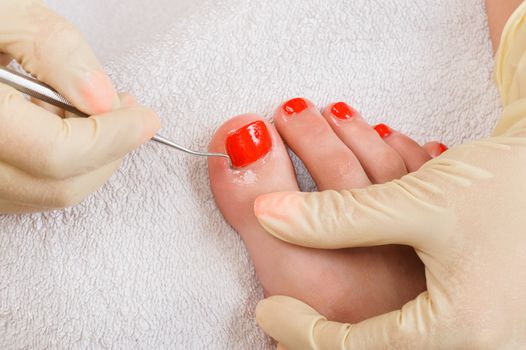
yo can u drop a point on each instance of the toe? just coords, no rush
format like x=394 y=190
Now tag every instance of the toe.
x=435 y=149
x=329 y=161
x=261 y=165
x=235 y=189
x=412 y=153
x=381 y=162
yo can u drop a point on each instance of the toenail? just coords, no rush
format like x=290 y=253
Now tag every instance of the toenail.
x=342 y=110
x=248 y=144
x=442 y=148
x=295 y=106
x=383 y=130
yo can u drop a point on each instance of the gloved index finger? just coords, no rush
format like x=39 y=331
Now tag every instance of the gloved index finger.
x=55 y=52
x=45 y=145
x=379 y=215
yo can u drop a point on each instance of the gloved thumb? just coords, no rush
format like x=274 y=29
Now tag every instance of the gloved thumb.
x=297 y=326
x=55 y=52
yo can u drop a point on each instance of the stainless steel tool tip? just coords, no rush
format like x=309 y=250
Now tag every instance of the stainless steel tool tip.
x=34 y=88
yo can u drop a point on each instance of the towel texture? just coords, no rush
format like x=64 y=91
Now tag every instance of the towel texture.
x=148 y=262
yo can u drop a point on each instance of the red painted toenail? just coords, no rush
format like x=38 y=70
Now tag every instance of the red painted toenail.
x=383 y=130
x=294 y=106
x=442 y=148
x=342 y=110
x=248 y=144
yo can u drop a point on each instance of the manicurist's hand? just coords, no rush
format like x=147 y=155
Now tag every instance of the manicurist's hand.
x=464 y=213
x=47 y=161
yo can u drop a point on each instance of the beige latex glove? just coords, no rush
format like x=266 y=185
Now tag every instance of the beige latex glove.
x=45 y=161
x=465 y=215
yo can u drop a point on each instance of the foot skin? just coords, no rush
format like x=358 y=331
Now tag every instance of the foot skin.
x=341 y=151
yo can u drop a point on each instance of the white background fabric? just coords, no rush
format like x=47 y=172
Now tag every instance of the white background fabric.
x=148 y=262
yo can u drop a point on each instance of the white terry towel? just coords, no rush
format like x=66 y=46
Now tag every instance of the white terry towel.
x=148 y=262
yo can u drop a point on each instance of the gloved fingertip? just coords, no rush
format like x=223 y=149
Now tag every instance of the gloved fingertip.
x=152 y=123
x=261 y=210
x=272 y=306
x=261 y=311
x=270 y=204
x=278 y=212
x=98 y=93
x=127 y=100
x=260 y=205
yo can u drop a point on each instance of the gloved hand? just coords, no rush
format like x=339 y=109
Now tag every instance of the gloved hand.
x=47 y=161
x=464 y=213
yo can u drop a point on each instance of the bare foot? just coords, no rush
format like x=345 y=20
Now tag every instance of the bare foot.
x=341 y=151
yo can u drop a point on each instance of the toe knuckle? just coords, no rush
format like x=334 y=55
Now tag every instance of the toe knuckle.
x=391 y=163
x=340 y=170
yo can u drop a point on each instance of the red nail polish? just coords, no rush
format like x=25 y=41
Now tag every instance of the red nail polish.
x=442 y=148
x=248 y=144
x=295 y=106
x=342 y=110
x=383 y=130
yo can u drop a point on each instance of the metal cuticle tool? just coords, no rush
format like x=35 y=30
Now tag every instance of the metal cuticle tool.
x=46 y=93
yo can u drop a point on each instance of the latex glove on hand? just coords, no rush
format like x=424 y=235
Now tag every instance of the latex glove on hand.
x=47 y=161
x=464 y=213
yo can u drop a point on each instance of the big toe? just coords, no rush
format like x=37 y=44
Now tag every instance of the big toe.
x=260 y=164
